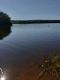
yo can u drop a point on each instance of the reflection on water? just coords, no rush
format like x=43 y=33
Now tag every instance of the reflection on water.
x=4 y=31
x=28 y=43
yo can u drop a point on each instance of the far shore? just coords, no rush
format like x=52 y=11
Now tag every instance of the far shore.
x=33 y=21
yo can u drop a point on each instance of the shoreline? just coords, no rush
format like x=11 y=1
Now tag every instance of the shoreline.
x=33 y=21
x=27 y=70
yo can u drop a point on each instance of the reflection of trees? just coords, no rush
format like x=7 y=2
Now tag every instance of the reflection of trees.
x=4 y=31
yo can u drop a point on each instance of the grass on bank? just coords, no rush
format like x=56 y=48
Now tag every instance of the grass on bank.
x=52 y=65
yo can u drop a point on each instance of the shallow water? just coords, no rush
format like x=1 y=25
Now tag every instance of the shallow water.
x=28 y=42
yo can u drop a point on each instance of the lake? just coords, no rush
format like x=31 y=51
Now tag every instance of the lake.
x=27 y=43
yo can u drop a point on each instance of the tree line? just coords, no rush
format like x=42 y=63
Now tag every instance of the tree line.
x=33 y=21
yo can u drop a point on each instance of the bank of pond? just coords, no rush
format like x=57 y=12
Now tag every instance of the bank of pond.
x=33 y=21
x=6 y=20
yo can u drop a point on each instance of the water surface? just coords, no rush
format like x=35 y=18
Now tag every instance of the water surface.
x=29 y=41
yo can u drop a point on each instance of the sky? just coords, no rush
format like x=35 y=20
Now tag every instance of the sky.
x=31 y=9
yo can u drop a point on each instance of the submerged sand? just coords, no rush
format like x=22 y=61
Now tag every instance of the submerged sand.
x=26 y=70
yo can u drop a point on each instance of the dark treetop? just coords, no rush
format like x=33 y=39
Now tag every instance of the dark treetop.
x=4 y=19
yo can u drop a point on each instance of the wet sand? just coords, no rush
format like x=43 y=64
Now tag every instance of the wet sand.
x=26 y=70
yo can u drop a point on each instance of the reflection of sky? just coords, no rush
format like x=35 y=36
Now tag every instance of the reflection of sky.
x=32 y=36
x=27 y=41
x=31 y=9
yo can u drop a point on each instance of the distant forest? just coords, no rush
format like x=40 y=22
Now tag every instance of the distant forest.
x=6 y=20
x=33 y=21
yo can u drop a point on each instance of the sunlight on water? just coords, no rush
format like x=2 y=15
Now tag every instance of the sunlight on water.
x=2 y=78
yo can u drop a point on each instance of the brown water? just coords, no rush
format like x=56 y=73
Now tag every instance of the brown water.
x=26 y=47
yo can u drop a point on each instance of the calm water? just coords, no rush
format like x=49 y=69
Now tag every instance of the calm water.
x=27 y=41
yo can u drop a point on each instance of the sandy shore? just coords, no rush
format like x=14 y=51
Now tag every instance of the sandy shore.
x=26 y=70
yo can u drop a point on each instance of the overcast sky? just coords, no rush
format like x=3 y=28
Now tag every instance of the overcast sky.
x=31 y=9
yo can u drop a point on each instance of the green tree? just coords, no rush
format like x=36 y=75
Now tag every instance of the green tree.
x=5 y=19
